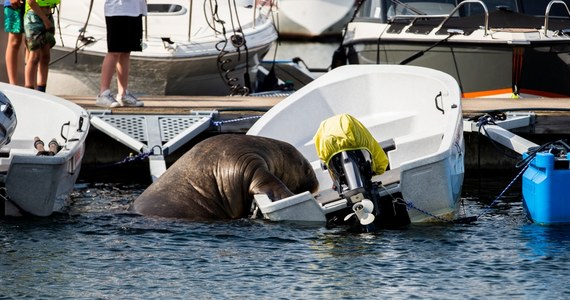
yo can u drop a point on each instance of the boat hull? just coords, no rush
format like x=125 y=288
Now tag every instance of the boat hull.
x=313 y=18
x=481 y=70
x=188 y=48
x=40 y=185
x=425 y=125
x=505 y=51
x=158 y=76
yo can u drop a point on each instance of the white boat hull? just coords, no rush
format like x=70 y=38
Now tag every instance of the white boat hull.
x=313 y=18
x=178 y=57
x=418 y=108
x=40 y=185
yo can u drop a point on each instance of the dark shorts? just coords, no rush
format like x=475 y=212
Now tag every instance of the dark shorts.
x=124 y=34
x=14 y=19
x=36 y=34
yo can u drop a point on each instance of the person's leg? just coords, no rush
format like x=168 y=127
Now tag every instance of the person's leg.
x=31 y=70
x=34 y=27
x=105 y=98
x=43 y=68
x=123 y=66
x=12 y=56
x=108 y=70
x=125 y=97
x=47 y=42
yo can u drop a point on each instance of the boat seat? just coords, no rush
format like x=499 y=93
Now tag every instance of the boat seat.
x=413 y=146
x=387 y=145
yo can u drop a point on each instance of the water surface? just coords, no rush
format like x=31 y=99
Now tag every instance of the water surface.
x=98 y=251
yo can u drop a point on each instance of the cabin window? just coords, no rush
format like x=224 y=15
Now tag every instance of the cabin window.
x=538 y=8
x=470 y=9
x=420 y=7
x=165 y=9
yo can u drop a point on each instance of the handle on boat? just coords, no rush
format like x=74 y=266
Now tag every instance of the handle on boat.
x=61 y=132
x=440 y=96
x=80 y=127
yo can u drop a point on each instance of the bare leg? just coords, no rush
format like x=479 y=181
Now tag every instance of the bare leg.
x=32 y=68
x=123 y=73
x=107 y=70
x=43 y=66
x=12 y=51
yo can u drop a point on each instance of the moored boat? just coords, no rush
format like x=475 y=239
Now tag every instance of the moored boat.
x=189 y=48
x=512 y=48
x=40 y=184
x=420 y=129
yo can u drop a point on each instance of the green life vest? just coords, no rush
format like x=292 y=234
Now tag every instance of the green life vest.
x=44 y=3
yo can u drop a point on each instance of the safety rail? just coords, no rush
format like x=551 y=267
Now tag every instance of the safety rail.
x=486 y=25
x=547 y=13
x=448 y=16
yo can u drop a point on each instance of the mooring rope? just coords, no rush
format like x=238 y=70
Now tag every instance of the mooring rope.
x=485 y=210
x=219 y=123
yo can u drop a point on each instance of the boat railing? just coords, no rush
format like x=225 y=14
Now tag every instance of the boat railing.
x=547 y=13
x=486 y=25
x=448 y=16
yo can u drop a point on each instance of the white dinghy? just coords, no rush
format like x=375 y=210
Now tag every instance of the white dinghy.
x=190 y=47
x=40 y=184
x=415 y=115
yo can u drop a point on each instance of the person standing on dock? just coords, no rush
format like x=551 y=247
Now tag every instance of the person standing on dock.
x=39 y=31
x=124 y=34
x=14 y=26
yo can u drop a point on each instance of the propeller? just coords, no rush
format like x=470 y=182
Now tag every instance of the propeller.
x=363 y=211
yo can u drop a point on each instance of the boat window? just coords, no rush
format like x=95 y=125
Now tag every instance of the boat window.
x=470 y=9
x=371 y=9
x=165 y=8
x=538 y=8
x=420 y=7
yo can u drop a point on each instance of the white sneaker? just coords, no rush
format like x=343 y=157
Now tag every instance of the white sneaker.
x=105 y=99
x=129 y=100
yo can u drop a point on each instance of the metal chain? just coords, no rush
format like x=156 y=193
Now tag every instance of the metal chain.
x=411 y=205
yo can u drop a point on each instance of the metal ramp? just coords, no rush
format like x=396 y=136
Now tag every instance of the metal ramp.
x=157 y=135
x=499 y=131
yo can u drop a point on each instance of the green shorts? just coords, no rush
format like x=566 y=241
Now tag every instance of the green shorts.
x=36 y=34
x=14 y=19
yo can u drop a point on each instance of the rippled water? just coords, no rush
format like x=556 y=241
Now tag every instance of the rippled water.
x=97 y=251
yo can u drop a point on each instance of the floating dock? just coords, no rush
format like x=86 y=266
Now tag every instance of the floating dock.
x=172 y=117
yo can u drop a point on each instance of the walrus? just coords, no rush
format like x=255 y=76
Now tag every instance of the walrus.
x=218 y=177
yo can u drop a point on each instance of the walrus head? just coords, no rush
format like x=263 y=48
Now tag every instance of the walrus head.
x=294 y=170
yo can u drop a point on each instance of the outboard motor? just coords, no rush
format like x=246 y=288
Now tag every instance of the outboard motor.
x=351 y=172
x=7 y=120
x=352 y=156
